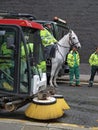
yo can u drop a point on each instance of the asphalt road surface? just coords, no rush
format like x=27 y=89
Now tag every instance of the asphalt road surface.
x=84 y=105
x=82 y=100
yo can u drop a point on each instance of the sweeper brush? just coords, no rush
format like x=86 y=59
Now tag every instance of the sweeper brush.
x=61 y=102
x=44 y=109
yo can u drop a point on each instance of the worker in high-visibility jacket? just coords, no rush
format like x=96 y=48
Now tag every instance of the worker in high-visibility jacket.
x=41 y=65
x=6 y=67
x=5 y=63
x=93 y=61
x=73 y=60
x=48 y=41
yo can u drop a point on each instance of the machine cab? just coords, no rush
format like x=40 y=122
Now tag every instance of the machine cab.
x=21 y=55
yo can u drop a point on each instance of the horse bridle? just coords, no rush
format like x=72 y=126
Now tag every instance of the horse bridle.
x=71 y=43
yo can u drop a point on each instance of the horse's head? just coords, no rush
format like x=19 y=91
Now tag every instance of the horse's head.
x=73 y=39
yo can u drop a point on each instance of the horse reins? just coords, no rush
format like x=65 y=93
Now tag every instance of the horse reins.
x=63 y=46
x=60 y=52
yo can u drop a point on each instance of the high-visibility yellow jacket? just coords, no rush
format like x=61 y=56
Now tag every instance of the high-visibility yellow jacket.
x=42 y=66
x=47 y=38
x=93 y=60
x=30 y=46
x=7 y=53
x=71 y=60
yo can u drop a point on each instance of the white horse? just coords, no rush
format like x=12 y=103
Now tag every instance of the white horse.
x=63 y=47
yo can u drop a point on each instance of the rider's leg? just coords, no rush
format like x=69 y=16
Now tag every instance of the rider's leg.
x=48 y=70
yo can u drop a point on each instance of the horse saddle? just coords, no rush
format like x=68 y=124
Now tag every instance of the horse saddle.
x=52 y=51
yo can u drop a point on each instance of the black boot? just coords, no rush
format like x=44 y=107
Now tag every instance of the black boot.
x=90 y=85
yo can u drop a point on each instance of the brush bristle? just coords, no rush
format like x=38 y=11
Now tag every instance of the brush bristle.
x=44 y=111
x=61 y=102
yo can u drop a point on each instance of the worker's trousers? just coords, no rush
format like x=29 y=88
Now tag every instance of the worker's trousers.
x=94 y=69
x=74 y=71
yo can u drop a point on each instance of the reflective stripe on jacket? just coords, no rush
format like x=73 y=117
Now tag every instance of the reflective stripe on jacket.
x=47 y=38
x=93 y=60
x=71 y=59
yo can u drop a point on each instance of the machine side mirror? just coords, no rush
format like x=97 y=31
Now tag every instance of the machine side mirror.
x=2 y=33
x=10 y=43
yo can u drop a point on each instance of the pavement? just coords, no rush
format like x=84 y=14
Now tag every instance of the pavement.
x=10 y=124
x=14 y=124
x=84 y=79
x=84 y=75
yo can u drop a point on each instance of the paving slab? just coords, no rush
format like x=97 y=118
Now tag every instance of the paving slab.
x=10 y=124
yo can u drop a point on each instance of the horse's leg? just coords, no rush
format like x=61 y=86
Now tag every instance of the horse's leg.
x=51 y=81
x=54 y=81
x=53 y=69
x=56 y=75
x=51 y=77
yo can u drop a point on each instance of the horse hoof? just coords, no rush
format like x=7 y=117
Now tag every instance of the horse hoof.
x=56 y=86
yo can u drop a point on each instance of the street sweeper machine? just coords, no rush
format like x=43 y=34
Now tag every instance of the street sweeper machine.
x=23 y=72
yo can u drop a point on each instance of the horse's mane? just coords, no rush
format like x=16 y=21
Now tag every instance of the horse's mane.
x=62 y=40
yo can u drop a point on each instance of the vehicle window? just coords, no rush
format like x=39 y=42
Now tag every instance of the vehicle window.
x=6 y=59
